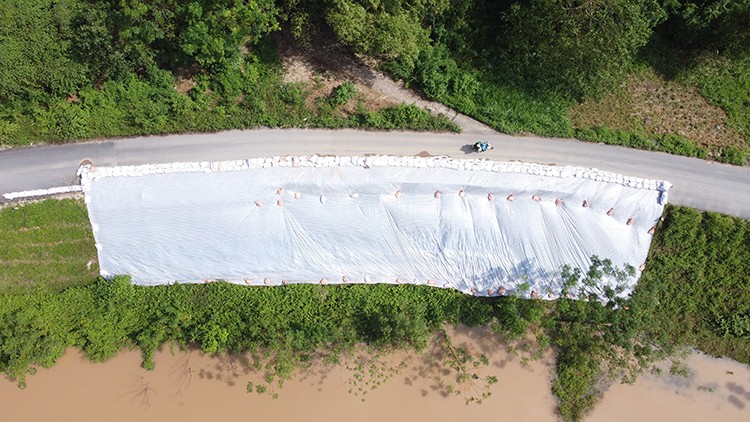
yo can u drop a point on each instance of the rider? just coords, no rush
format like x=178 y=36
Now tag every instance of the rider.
x=482 y=146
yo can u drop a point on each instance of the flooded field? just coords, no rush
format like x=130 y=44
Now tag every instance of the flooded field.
x=712 y=390
x=190 y=386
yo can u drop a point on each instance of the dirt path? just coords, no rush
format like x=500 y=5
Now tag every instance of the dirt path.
x=328 y=65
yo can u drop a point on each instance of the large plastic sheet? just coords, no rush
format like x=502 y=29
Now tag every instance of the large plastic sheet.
x=480 y=227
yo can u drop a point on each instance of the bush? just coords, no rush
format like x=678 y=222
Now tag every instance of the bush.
x=228 y=84
x=404 y=117
x=435 y=70
x=341 y=94
x=735 y=325
x=735 y=155
x=672 y=144
x=64 y=121
x=575 y=384
x=678 y=145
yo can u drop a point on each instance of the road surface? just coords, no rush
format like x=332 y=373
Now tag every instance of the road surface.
x=697 y=183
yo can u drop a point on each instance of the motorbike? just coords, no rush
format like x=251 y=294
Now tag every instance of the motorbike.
x=482 y=146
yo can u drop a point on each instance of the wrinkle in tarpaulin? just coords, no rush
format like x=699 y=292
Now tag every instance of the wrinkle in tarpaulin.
x=443 y=222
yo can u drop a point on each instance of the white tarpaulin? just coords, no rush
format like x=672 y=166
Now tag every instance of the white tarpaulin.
x=476 y=226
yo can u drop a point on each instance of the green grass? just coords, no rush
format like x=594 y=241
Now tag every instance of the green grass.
x=507 y=108
x=672 y=144
x=696 y=287
x=46 y=243
x=725 y=82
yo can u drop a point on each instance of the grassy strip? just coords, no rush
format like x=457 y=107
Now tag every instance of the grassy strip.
x=46 y=243
x=672 y=144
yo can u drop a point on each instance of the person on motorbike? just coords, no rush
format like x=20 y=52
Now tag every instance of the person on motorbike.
x=482 y=146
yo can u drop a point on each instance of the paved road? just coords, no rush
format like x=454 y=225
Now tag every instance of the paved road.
x=700 y=184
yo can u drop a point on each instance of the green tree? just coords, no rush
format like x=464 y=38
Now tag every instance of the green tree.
x=391 y=31
x=599 y=336
x=214 y=31
x=200 y=32
x=35 y=50
x=96 y=46
x=576 y=46
x=709 y=24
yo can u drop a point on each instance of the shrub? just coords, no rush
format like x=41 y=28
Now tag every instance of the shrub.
x=736 y=326
x=678 y=145
x=342 y=94
x=435 y=70
x=64 y=121
x=735 y=155
x=404 y=116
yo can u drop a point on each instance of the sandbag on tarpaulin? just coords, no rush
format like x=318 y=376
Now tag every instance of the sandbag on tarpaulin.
x=481 y=227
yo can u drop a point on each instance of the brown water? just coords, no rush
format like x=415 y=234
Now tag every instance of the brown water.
x=714 y=390
x=189 y=386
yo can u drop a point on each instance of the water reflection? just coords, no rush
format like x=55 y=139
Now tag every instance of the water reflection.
x=187 y=385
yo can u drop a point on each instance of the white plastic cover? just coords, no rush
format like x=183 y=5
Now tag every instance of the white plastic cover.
x=41 y=192
x=475 y=226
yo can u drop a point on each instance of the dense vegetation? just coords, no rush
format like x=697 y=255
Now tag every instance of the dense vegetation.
x=72 y=69
x=694 y=292
x=519 y=65
x=75 y=69
x=697 y=284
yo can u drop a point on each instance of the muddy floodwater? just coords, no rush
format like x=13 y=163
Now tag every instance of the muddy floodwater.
x=712 y=390
x=189 y=386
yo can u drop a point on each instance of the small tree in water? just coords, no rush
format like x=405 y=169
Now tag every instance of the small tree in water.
x=599 y=336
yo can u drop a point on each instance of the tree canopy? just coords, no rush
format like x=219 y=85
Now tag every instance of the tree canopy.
x=723 y=25
x=35 y=50
x=580 y=46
